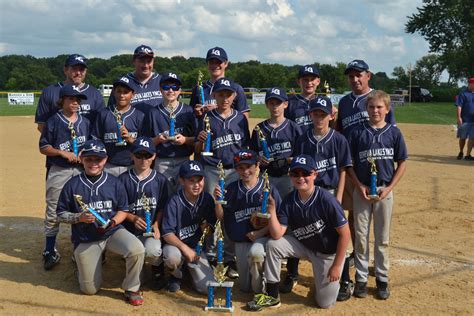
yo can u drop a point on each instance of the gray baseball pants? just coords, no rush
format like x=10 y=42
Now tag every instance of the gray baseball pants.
x=169 y=167
x=250 y=258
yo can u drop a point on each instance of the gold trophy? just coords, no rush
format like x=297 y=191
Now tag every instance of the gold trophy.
x=207 y=146
x=86 y=208
x=145 y=202
x=73 y=139
x=373 y=194
x=201 y=89
x=263 y=141
x=118 y=118
x=220 y=167
x=327 y=89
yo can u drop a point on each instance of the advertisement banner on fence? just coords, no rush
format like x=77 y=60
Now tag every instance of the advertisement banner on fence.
x=258 y=98
x=21 y=98
x=397 y=100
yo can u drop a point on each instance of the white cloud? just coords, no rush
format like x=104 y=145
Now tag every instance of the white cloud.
x=297 y=54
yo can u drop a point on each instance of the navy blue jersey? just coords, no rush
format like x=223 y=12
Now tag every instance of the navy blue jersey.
x=240 y=101
x=314 y=222
x=107 y=196
x=280 y=141
x=156 y=190
x=158 y=121
x=352 y=112
x=56 y=133
x=330 y=153
x=385 y=145
x=49 y=97
x=465 y=100
x=106 y=129
x=297 y=111
x=146 y=95
x=241 y=203
x=229 y=135
x=183 y=218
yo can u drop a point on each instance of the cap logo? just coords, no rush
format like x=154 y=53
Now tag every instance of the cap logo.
x=80 y=58
x=322 y=102
x=276 y=91
x=75 y=88
x=194 y=167
x=216 y=52
x=172 y=75
x=144 y=143
x=225 y=82
x=146 y=50
x=125 y=79
x=308 y=69
x=301 y=160
x=353 y=63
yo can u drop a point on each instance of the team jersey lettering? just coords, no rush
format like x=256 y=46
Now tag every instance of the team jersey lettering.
x=146 y=96
x=310 y=230
x=188 y=231
x=245 y=214
x=303 y=120
x=226 y=140
x=326 y=164
x=66 y=146
x=102 y=206
x=356 y=118
x=377 y=153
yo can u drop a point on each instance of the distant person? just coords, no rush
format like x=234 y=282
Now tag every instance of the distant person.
x=75 y=70
x=465 y=114
x=217 y=64
x=144 y=81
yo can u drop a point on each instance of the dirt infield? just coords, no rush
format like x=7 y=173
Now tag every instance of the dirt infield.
x=432 y=229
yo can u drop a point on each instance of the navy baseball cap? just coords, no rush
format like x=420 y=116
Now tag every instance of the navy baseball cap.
x=357 y=65
x=321 y=103
x=94 y=147
x=76 y=59
x=308 y=70
x=124 y=81
x=169 y=76
x=224 y=84
x=304 y=162
x=245 y=156
x=216 y=53
x=191 y=168
x=143 y=50
x=143 y=143
x=71 y=91
x=276 y=93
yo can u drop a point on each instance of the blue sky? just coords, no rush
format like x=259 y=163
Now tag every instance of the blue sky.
x=272 y=31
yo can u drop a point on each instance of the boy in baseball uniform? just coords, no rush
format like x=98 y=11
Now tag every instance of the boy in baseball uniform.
x=187 y=214
x=147 y=190
x=62 y=137
x=381 y=143
x=319 y=233
x=103 y=193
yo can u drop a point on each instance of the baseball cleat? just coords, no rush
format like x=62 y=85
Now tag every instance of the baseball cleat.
x=50 y=259
x=360 y=289
x=382 y=290
x=134 y=298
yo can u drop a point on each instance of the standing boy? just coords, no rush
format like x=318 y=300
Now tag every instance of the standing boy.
x=187 y=213
x=171 y=152
x=244 y=198
x=280 y=135
x=131 y=126
x=319 y=233
x=146 y=186
x=382 y=143
x=105 y=194
x=62 y=137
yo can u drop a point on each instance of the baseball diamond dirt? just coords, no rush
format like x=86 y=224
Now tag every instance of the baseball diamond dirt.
x=432 y=263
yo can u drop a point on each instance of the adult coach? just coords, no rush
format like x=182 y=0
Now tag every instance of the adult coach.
x=217 y=63
x=465 y=114
x=145 y=82
x=75 y=70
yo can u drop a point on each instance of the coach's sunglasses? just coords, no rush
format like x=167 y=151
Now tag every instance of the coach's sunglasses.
x=141 y=155
x=300 y=173
x=167 y=87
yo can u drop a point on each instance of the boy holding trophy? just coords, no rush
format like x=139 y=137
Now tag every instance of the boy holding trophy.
x=118 y=126
x=171 y=125
x=375 y=147
x=147 y=193
x=95 y=204
x=241 y=220
x=63 y=135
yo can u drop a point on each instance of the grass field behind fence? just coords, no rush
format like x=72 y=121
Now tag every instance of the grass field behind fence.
x=418 y=113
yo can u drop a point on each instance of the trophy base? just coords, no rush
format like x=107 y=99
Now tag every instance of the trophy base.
x=373 y=196
x=171 y=138
x=263 y=215
x=228 y=299
x=150 y=234
x=221 y=202
x=121 y=144
x=219 y=308
x=207 y=154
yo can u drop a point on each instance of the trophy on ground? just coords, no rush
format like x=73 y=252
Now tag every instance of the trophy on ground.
x=263 y=141
x=221 y=198
x=207 y=146
x=219 y=276
x=373 y=179
x=171 y=134
x=145 y=202
x=201 y=89
x=266 y=191
x=86 y=208
x=118 y=118
x=73 y=139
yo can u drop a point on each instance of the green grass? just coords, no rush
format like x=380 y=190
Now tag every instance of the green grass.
x=418 y=113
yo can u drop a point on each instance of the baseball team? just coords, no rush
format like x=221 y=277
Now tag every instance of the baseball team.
x=140 y=177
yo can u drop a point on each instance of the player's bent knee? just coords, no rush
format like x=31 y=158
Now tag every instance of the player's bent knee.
x=89 y=288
